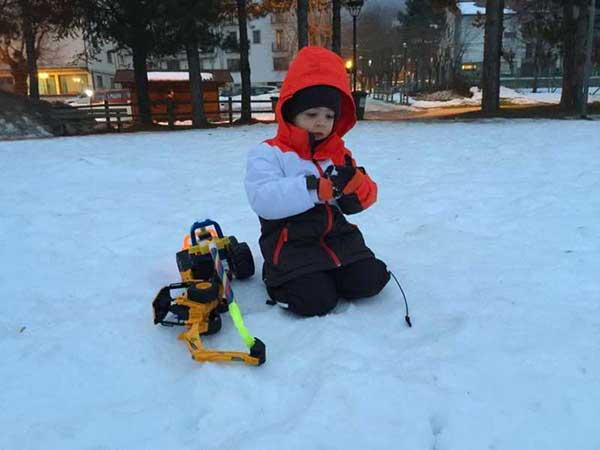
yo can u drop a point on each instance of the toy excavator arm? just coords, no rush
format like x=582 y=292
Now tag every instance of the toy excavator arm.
x=256 y=357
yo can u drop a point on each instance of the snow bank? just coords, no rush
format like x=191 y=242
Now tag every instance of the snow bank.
x=22 y=118
x=509 y=95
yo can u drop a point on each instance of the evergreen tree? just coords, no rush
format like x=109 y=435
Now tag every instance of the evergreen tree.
x=134 y=25
x=191 y=26
x=336 y=25
x=422 y=25
x=561 y=24
x=302 y=16
x=574 y=42
x=245 y=9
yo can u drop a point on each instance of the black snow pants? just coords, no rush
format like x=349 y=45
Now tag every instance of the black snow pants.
x=317 y=293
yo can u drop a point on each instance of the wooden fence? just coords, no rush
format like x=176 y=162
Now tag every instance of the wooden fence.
x=117 y=115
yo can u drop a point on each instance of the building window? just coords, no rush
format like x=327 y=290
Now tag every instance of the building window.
x=256 y=37
x=173 y=64
x=281 y=63
x=47 y=84
x=469 y=67
x=72 y=84
x=99 y=82
x=279 y=38
x=233 y=65
x=230 y=43
x=109 y=57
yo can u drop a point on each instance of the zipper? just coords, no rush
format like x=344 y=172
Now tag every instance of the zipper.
x=283 y=237
x=329 y=226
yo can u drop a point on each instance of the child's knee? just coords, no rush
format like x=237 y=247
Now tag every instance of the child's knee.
x=315 y=306
x=364 y=278
x=311 y=295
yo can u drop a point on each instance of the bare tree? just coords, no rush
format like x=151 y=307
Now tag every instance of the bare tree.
x=23 y=26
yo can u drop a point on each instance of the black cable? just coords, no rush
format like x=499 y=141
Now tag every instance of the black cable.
x=406 y=317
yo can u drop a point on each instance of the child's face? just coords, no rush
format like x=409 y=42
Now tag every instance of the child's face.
x=317 y=121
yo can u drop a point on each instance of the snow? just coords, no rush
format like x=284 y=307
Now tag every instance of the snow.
x=471 y=9
x=521 y=96
x=491 y=226
x=176 y=76
x=14 y=126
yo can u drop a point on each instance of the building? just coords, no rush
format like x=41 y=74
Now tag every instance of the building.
x=273 y=44
x=65 y=68
x=463 y=42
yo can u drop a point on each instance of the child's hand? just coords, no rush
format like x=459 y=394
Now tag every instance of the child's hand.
x=345 y=179
x=322 y=185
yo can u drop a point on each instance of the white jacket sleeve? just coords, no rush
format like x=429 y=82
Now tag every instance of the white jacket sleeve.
x=272 y=194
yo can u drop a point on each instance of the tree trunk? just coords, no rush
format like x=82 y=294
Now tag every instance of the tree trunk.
x=490 y=81
x=302 y=14
x=246 y=116
x=31 y=51
x=18 y=70
x=141 y=82
x=195 y=73
x=336 y=37
x=574 y=58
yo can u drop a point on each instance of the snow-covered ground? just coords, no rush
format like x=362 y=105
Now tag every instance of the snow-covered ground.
x=491 y=226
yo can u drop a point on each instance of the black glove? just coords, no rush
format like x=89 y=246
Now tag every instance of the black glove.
x=340 y=176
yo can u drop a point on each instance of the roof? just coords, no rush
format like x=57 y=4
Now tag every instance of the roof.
x=471 y=9
x=215 y=76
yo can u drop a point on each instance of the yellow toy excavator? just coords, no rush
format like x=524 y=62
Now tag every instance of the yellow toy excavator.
x=207 y=267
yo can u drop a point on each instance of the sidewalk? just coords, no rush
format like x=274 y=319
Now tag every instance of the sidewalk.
x=508 y=111
x=422 y=114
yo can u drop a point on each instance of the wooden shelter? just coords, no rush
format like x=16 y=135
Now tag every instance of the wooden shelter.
x=171 y=90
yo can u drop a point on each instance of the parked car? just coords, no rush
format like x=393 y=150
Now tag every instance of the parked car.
x=89 y=97
x=260 y=96
x=117 y=98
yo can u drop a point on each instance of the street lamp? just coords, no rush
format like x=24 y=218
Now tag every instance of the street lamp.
x=349 y=65
x=405 y=46
x=354 y=7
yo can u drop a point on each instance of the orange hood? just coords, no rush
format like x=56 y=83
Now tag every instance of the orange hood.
x=313 y=66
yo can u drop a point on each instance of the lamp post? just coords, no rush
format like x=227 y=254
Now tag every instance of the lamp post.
x=405 y=46
x=354 y=7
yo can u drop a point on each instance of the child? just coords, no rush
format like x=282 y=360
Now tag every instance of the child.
x=302 y=182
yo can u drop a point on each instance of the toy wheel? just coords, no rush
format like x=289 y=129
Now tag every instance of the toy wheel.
x=240 y=259
x=214 y=324
x=203 y=292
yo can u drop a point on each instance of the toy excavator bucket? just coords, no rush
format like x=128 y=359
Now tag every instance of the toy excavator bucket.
x=191 y=337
